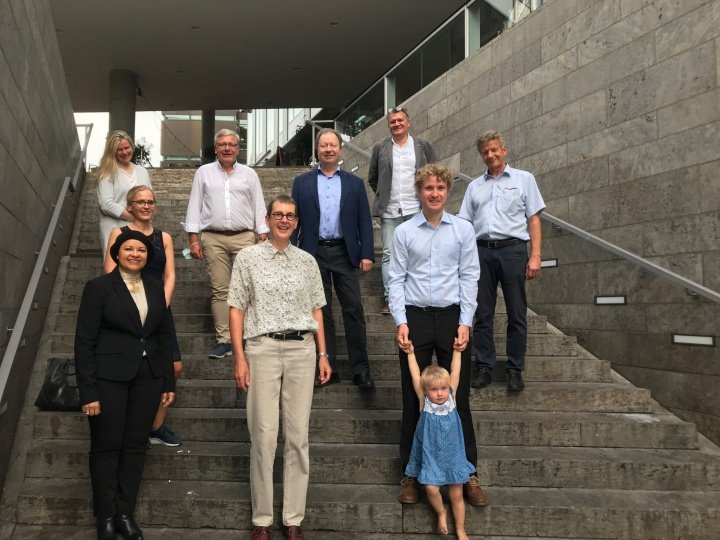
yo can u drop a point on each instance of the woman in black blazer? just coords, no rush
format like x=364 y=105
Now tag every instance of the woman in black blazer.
x=124 y=367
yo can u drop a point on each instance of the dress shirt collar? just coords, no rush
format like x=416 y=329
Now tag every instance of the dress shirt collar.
x=506 y=172
x=219 y=166
x=275 y=251
x=335 y=173
x=420 y=219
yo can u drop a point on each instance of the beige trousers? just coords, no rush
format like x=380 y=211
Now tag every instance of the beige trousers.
x=281 y=382
x=219 y=252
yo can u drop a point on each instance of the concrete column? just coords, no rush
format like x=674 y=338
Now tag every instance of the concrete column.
x=123 y=90
x=208 y=136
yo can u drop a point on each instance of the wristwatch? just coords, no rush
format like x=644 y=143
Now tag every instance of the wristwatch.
x=322 y=354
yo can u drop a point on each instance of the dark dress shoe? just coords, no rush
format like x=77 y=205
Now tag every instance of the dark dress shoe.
x=106 y=529
x=334 y=379
x=292 y=532
x=127 y=527
x=261 y=533
x=515 y=381
x=363 y=381
x=481 y=378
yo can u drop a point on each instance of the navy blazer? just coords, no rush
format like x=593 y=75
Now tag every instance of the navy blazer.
x=355 y=217
x=110 y=340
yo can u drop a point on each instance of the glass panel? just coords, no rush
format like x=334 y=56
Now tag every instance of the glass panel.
x=366 y=111
x=443 y=51
x=493 y=19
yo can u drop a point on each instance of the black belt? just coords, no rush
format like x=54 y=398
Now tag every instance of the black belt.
x=227 y=233
x=332 y=242
x=432 y=308
x=494 y=244
x=280 y=336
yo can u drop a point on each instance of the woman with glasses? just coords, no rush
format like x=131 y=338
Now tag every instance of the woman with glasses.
x=141 y=207
x=116 y=175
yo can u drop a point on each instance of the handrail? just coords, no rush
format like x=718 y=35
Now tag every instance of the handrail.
x=677 y=279
x=16 y=340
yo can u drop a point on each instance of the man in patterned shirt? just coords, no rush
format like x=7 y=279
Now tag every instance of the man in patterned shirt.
x=276 y=297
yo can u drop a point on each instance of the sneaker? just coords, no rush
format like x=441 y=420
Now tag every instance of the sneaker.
x=220 y=350
x=164 y=436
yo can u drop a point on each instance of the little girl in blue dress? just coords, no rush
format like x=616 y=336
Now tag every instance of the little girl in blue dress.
x=438 y=457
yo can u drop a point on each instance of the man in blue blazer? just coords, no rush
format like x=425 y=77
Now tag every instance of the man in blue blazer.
x=334 y=225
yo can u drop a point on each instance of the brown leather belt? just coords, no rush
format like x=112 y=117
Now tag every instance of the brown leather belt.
x=227 y=233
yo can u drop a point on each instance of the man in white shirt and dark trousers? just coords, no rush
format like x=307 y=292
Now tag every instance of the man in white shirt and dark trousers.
x=433 y=287
x=504 y=206
x=225 y=211
x=392 y=177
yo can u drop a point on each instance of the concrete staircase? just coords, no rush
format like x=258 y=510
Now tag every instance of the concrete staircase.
x=579 y=454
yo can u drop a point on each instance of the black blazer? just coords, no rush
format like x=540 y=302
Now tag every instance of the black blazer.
x=110 y=340
x=355 y=217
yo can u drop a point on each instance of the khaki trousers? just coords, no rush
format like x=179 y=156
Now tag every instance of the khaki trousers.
x=219 y=252
x=281 y=381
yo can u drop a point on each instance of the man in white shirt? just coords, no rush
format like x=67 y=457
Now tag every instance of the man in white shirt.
x=226 y=205
x=392 y=177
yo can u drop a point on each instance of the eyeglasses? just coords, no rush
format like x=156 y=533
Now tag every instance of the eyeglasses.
x=226 y=145
x=145 y=203
x=394 y=110
x=279 y=215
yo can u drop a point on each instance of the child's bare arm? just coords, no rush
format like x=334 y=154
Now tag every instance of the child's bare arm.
x=455 y=370
x=415 y=374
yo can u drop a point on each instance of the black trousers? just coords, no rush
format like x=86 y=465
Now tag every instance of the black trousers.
x=337 y=270
x=118 y=440
x=434 y=331
x=506 y=266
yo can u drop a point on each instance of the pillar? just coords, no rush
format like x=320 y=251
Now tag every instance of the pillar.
x=123 y=90
x=208 y=136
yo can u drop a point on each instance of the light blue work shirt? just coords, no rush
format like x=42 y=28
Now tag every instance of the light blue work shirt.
x=500 y=206
x=434 y=267
x=329 y=191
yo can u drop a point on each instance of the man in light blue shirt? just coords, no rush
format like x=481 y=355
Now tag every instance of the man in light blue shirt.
x=504 y=207
x=434 y=272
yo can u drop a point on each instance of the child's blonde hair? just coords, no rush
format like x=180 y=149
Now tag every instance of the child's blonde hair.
x=433 y=373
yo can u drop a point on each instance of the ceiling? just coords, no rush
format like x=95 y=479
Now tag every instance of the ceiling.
x=234 y=54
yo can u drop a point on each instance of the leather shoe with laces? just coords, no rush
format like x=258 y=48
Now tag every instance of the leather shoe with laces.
x=481 y=378
x=261 y=533
x=106 y=529
x=293 y=532
x=409 y=490
x=364 y=381
x=515 y=381
x=127 y=527
x=474 y=493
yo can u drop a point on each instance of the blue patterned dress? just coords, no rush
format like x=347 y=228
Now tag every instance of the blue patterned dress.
x=438 y=457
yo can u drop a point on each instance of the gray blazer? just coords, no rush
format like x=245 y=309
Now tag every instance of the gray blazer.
x=380 y=172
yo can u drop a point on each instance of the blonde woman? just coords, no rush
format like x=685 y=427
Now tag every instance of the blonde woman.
x=116 y=175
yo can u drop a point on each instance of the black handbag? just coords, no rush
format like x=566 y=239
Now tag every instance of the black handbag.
x=60 y=391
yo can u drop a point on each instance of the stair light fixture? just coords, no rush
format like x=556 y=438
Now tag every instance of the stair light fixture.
x=688 y=339
x=619 y=300
x=549 y=263
x=355 y=168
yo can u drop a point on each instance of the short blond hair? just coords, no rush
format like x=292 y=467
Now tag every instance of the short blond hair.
x=135 y=190
x=441 y=172
x=433 y=373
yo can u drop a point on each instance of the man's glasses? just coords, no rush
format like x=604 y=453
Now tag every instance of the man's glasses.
x=279 y=215
x=226 y=145
x=144 y=203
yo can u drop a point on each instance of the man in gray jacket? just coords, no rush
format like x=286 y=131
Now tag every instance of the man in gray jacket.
x=392 y=177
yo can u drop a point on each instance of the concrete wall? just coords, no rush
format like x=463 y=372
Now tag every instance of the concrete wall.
x=615 y=106
x=38 y=147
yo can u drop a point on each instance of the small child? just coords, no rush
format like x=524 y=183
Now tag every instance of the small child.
x=438 y=457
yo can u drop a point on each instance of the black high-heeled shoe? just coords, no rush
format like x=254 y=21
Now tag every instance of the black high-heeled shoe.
x=106 y=529
x=126 y=525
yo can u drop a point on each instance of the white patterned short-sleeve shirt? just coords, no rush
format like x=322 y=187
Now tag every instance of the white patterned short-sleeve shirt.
x=277 y=290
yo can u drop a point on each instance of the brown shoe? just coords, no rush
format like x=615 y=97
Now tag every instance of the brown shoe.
x=385 y=310
x=474 y=493
x=409 y=490
x=292 y=532
x=261 y=533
